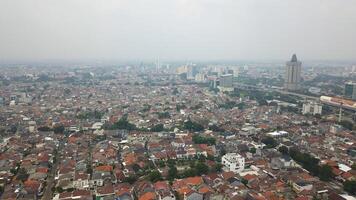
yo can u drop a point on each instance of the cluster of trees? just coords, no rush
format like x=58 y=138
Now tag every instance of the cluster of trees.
x=130 y=179
x=123 y=124
x=196 y=168
x=90 y=115
x=350 y=187
x=197 y=139
x=216 y=128
x=59 y=129
x=310 y=163
x=163 y=115
x=155 y=176
x=192 y=126
x=232 y=104
x=146 y=108
x=157 y=128
x=22 y=174
x=270 y=142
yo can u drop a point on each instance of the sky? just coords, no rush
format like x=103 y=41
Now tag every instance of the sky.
x=36 y=30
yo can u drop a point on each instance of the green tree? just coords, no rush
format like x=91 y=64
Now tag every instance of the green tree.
x=241 y=106
x=44 y=128
x=253 y=150
x=350 y=187
x=353 y=166
x=122 y=124
x=270 y=142
x=22 y=174
x=130 y=179
x=155 y=176
x=325 y=173
x=284 y=150
x=193 y=126
x=157 y=128
x=59 y=189
x=58 y=129
x=190 y=172
x=244 y=181
x=197 y=139
x=172 y=173
x=202 y=168
x=218 y=167
x=164 y=115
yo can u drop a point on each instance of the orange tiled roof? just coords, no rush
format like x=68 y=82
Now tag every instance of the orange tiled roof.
x=106 y=168
x=193 y=180
x=148 y=196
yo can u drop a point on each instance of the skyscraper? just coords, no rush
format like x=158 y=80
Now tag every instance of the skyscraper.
x=226 y=82
x=350 y=90
x=293 y=72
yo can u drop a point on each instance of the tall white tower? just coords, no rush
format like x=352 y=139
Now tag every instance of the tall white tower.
x=293 y=71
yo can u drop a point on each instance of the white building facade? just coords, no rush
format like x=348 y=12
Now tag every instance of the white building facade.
x=233 y=162
x=312 y=108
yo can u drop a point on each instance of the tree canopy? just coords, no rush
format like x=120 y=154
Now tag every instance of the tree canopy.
x=197 y=139
x=193 y=126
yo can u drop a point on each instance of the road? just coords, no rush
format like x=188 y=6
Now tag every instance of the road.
x=275 y=90
x=48 y=193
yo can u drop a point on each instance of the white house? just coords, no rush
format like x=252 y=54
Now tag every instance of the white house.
x=233 y=162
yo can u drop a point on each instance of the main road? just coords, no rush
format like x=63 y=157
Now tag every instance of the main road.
x=237 y=85
x=50 y=183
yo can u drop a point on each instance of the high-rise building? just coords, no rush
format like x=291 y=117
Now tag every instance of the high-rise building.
x=226 y=80
x=226 y=83
x=192 y=71
x=350 y=90
x=293 y=71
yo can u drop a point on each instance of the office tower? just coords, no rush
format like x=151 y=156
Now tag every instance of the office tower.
x=192 y=71
x=293 y=71
x=226 y=80
x=350 y=90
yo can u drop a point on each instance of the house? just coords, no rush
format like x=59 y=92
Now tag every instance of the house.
x=148 y=196
x=105 y=192
x=282 y=162
x=99 y=178
x=163 y=191
x=81 y=181
x=302 y=185
x=193 y=195
x=233 y=162
x=123 y=191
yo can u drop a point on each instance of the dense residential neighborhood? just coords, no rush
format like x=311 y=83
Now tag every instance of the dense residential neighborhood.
x=145 y=134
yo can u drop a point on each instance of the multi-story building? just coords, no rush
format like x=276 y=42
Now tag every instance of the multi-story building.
x=312 y=108
x=233 y=162
x=226 y=82
x=293 y=72
x=350 y=90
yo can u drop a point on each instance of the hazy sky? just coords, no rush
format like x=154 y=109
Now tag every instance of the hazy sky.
x=177 y=29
